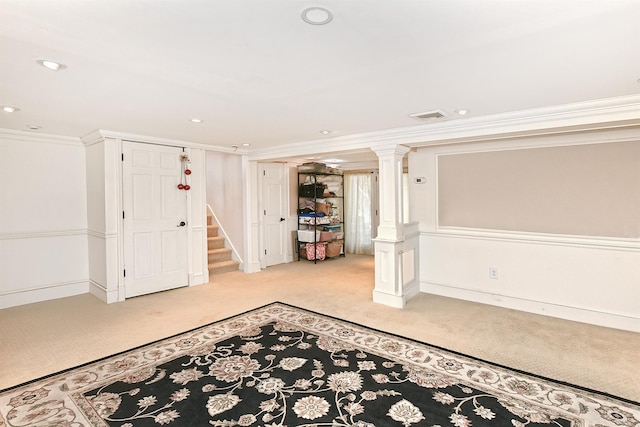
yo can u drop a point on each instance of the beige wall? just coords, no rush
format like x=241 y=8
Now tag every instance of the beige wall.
x=590 y=190
x=543 y=212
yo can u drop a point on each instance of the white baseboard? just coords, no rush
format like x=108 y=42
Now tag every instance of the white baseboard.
x=610 y=320
x=198 y=278
x=100 y=292
x=43 y=293
x=252 y=267
x=395 y=301
x=411 y=290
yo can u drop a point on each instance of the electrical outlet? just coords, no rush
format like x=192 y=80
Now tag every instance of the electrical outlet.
x=494 y=273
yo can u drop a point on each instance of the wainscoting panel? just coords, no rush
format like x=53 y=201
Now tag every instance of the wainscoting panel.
x=42 y=266
x=592 y=283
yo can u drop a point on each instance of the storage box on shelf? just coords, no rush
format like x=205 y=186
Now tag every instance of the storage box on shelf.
x=320 y=209
x=335 y=248
x=315 y=251
x=309 y=236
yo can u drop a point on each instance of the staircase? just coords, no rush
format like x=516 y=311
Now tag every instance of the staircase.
x=219 y=257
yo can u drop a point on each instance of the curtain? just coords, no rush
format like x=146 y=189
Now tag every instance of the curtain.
x=358 y=187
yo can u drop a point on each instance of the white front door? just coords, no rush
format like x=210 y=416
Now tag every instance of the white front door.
x=154 y=219
x=274 y=213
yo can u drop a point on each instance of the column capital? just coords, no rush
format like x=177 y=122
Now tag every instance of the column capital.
x=390 y=148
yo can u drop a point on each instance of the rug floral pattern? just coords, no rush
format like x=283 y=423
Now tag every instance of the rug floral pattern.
x=280 y=366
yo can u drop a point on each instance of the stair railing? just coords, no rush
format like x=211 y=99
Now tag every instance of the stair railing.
x=227 y=240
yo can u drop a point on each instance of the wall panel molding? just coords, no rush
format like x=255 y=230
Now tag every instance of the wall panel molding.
x=539 y=238
x=585 y=280
x=43 y=292
x=42 y=234
x=601 y=318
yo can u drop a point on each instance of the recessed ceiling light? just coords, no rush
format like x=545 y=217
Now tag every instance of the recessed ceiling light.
x=51 y=65
x=246 y=144
x=461 y=112
x=317 y=16
x=33 y=127
x=10 y=109
x=325 y=132
x=196 y=120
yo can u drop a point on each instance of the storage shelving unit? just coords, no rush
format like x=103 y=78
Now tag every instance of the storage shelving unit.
x=320 y=213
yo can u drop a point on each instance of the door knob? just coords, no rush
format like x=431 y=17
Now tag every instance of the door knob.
x=281 y=219
x=182 y=224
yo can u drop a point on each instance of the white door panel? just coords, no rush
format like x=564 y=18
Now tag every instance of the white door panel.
x=155 y=245
x=274 y=208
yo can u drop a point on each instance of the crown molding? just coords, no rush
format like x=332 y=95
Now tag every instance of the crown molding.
x=101 y=134
x=608 y=113
x=47 y=138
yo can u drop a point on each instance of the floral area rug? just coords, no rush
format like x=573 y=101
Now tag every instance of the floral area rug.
x=283 y=366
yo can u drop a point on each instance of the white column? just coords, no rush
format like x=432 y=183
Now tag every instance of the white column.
x=389 y=244
x=104 y=213
x=251 y=216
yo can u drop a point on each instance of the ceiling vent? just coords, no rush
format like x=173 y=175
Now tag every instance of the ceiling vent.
x=428 y=115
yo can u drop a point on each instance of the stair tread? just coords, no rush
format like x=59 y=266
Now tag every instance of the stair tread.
x=219 y=256
x=223 y=266
x=224 y=263
x=219 y=250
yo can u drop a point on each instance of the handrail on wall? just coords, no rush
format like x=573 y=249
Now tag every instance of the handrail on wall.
x=226 y=237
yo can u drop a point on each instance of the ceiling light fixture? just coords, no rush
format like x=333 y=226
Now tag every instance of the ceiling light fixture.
x=317 y=16
x=33 y=127
x=325 y=132
x=51 y=65
x=194 y=120
x=246 y=144
x=10 y=109
x=461 y=112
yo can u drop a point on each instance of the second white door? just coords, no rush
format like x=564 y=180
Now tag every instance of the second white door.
x=274 y=213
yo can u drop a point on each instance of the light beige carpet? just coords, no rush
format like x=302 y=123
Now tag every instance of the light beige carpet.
x=39 y=339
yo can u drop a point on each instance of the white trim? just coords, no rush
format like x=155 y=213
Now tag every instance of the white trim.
x=43 y=234
x=100 y=291
x=43 y=292
x=99 y=134
x=578 y=314
x=395 y=301
x=610 y=243
x=101 y=234
x=533 y=142
x=253 y=267
x=198 y=278
x=44 y=138
x=608 y=113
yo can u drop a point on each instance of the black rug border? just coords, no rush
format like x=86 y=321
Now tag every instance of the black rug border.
x=519 y=371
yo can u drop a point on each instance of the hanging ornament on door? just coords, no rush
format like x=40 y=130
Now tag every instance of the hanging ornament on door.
x=184 y=181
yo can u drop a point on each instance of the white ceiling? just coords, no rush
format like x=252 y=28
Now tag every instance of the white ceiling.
x=256 y=73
